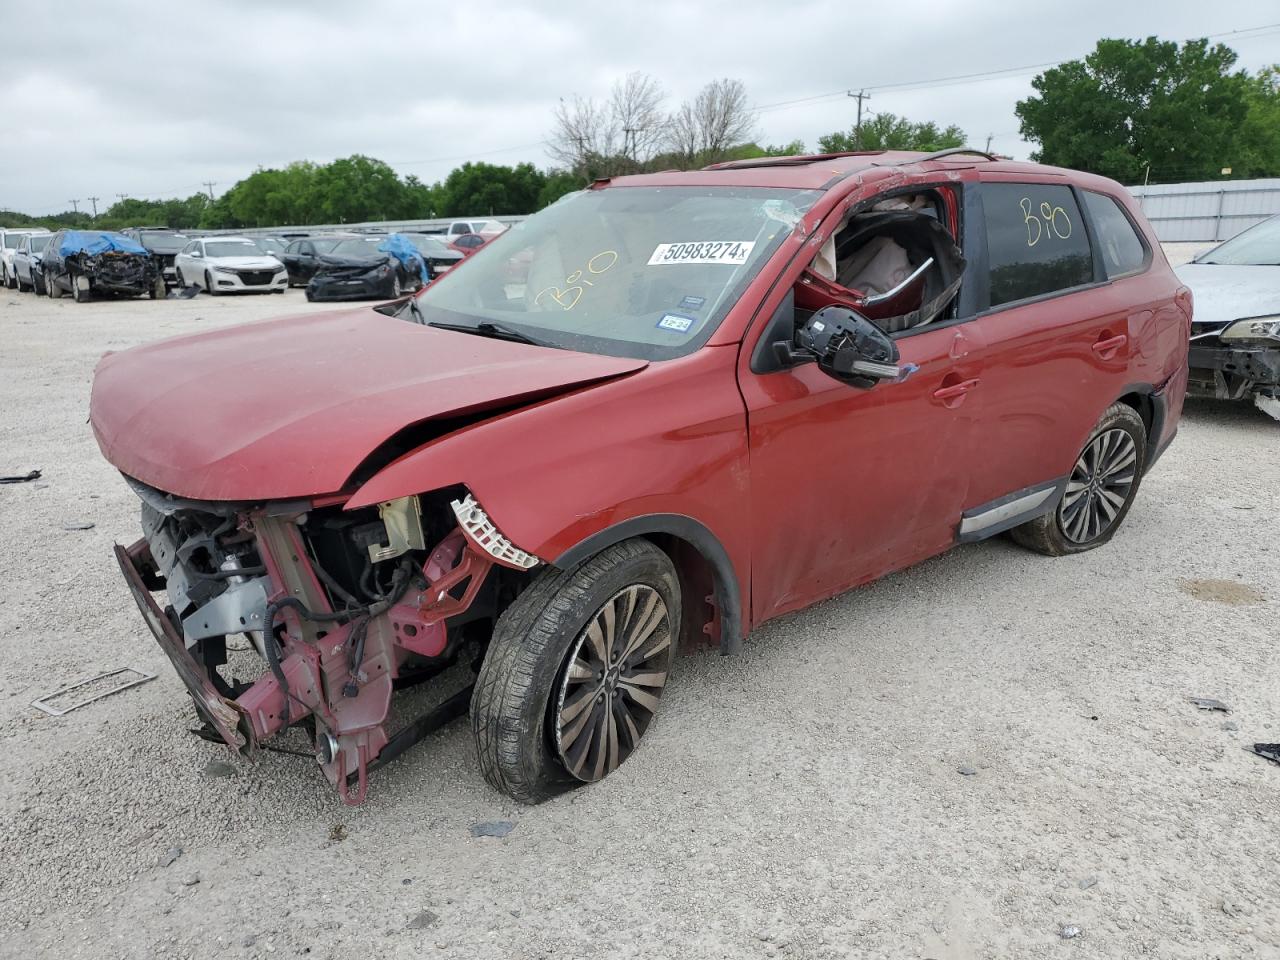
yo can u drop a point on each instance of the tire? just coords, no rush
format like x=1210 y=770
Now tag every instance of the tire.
x=21 y=288
x=52 y=289
x=182 y=283
x=397 y=289
x=80 y=291
x=10 y=279
x=158 y=290
x=37 y=284
x=525 y=691
x=208 y=285
x=1089 y=512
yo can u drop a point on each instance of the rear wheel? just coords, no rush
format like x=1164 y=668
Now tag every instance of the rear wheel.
x=1100 y=490
x=37 y=283
x=573 y=674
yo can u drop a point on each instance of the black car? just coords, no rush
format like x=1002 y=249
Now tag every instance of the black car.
x=163 y=244
x=438 y=254
x=362 y=268
x=88 y=262
x=302 y=257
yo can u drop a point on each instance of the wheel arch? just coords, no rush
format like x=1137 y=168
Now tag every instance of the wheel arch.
x=1150 y=404
x=700 y=559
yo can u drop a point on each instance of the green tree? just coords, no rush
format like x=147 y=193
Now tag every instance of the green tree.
x=753 y=151
x=888 y=131
x=1133 y=105
x=557 y=184
x=488 y=189
x=1259 y=154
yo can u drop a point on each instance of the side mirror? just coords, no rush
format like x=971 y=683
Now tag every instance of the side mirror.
x=849 y=347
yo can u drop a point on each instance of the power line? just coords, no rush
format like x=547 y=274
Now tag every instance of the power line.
x=1252 y=32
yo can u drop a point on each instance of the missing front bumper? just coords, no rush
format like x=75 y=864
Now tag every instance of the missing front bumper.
x=223 y=715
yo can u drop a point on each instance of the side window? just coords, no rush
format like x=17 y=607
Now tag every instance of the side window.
x=1036 y=241
x=1122 y=249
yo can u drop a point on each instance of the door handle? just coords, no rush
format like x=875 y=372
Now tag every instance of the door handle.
x=1109 y=347
x=955 y=391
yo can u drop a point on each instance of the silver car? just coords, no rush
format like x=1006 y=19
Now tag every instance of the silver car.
x=1235 y=334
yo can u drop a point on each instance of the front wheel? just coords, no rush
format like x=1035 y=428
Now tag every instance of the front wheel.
x=80 y=288
x=158 y=291
x=1100 y=489
x=572 y=676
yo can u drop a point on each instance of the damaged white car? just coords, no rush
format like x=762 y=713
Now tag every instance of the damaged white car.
x=1235 y=335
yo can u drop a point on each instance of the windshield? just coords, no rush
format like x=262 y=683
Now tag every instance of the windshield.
x=645 y=272
x=231 y=248
x=164 y=242
x=40 y=242
x=269 y=245
x=361 y=247
x=11 y=240
x=431 y=246
x=1258 y=246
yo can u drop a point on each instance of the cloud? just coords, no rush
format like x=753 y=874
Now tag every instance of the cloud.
x=152 y=100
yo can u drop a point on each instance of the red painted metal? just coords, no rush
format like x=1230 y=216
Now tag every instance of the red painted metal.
x=809 y=485
x=291 y=407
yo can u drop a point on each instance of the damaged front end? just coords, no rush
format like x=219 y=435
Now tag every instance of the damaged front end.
x=1236 y=361
x=342 y=607
x=355 y=279
x=115 y=271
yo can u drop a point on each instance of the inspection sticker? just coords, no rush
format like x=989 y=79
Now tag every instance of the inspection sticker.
x=705 y=251
x=673 y=321
x=692 y=303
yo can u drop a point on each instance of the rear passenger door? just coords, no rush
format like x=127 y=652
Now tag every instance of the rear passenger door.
x=1056 y=349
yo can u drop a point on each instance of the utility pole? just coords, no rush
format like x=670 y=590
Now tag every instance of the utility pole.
x=94 y=201
x=857 y=127
x=989 y=136
x=210 y=184
x=74 y=206
x=123 y=196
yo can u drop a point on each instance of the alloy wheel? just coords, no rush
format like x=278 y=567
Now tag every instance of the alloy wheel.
x=615 y=673
x=1099 y=486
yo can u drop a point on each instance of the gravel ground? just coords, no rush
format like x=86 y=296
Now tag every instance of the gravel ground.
x=968 y=759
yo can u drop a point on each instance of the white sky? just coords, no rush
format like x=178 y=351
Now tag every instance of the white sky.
x=151 y=99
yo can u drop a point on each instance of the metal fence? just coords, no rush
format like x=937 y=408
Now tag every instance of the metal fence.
x=1208 y=211
x=372 y=226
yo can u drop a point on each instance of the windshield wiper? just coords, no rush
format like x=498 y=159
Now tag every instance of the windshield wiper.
x=487 y=328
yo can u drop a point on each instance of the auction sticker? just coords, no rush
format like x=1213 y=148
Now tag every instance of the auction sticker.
x=731 y=252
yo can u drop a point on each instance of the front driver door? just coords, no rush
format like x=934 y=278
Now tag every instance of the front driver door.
x=849 y=484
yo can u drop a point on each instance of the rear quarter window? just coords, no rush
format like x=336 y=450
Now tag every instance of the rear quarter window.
x=1123 y=251
x=1036 y=241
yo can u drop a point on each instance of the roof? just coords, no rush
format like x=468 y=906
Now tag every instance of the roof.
x=820 y=171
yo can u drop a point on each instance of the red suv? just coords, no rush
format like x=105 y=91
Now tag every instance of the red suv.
x=659 y=413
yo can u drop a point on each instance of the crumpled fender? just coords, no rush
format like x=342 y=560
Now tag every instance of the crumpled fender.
x=554 y=474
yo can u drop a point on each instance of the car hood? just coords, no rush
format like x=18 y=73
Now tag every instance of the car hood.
x=291 y=408
x=247 y=263
x=1225 y=292
x=366 y=262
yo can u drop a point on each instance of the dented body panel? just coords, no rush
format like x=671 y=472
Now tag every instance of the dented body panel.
x=291 y=408
x=391 y=488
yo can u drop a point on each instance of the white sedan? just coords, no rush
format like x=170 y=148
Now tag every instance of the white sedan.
x=229 y=265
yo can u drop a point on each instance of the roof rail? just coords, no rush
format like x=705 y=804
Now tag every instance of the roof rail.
x=792 y=161
x=939 y=154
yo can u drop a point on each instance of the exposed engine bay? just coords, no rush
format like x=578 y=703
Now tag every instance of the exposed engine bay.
x=342 y=608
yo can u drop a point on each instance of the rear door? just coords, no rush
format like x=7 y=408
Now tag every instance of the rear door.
x=1057 y=343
